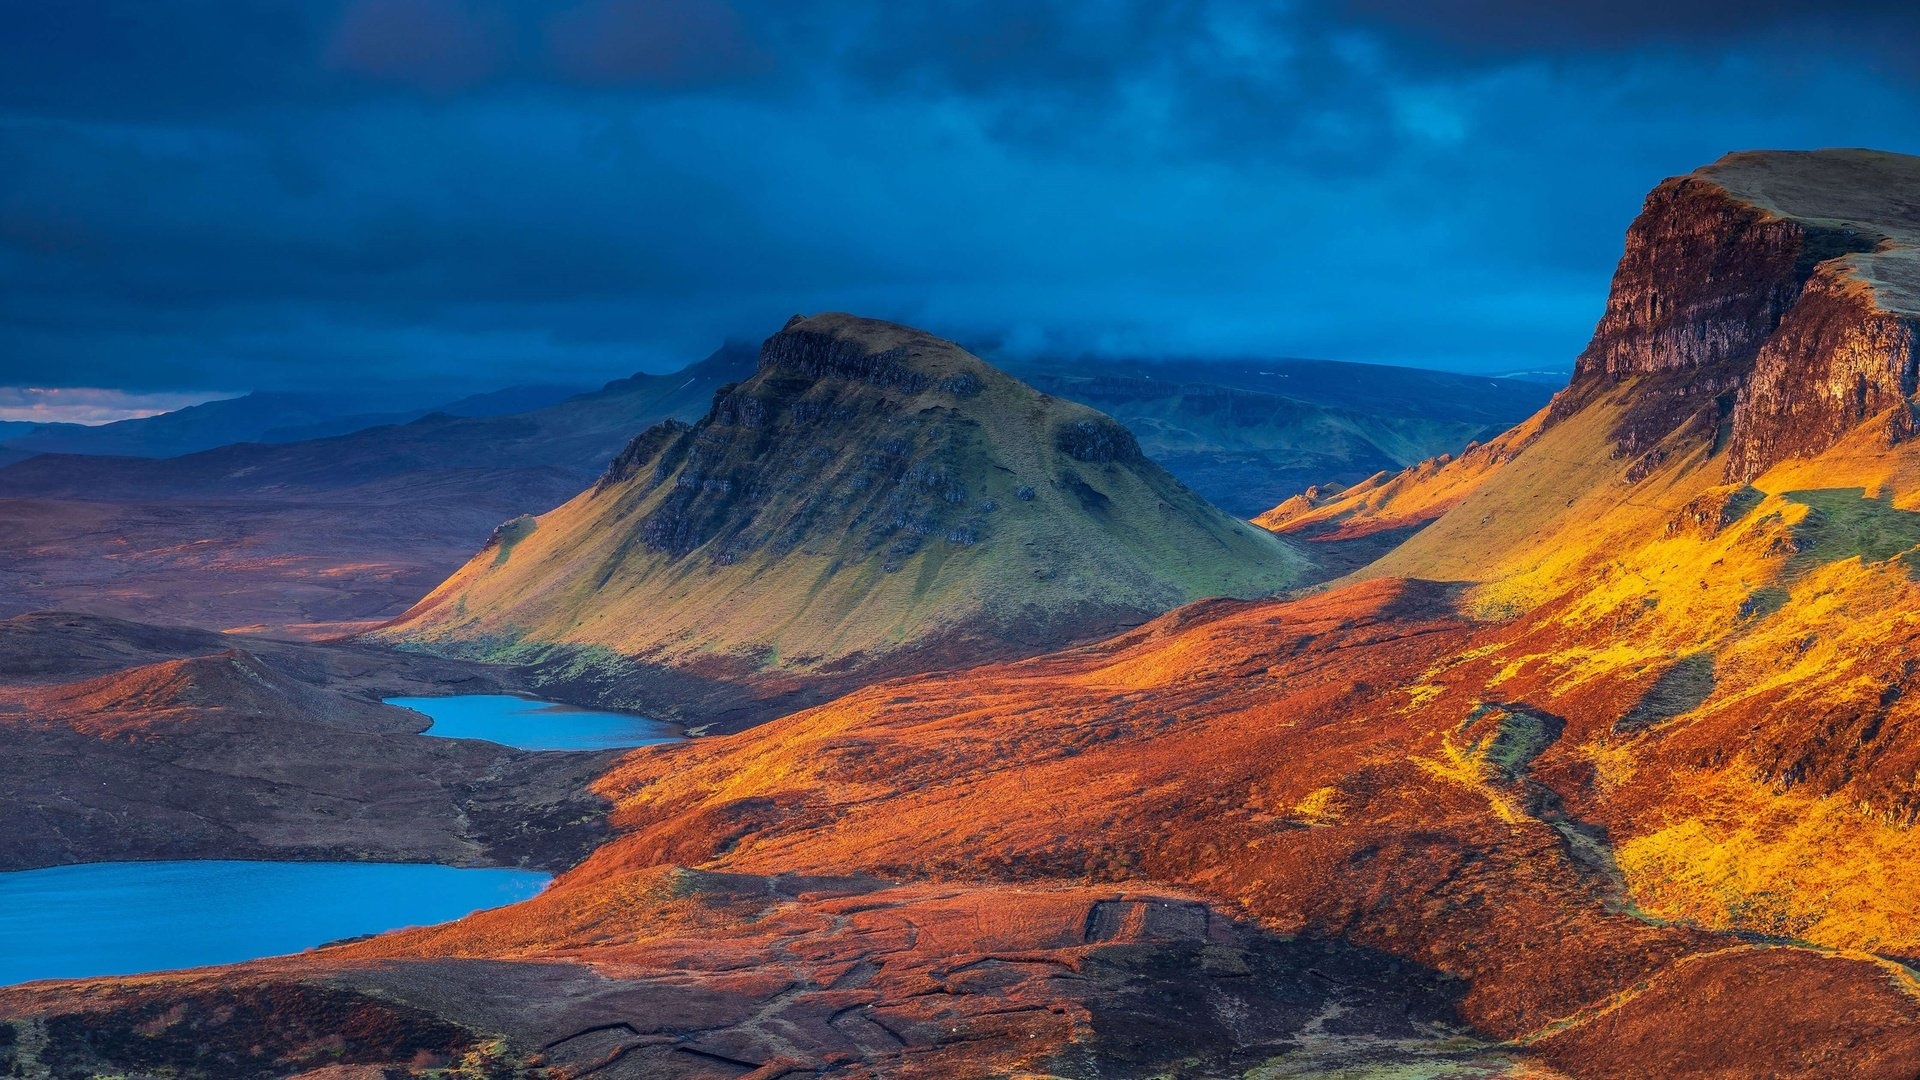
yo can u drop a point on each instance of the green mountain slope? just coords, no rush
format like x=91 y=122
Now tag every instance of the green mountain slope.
x=872 y=500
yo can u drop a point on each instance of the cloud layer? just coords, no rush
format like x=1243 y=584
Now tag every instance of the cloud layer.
x=215 y=193
x=87 y=404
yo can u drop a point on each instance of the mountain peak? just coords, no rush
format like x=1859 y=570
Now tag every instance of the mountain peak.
x=1761 y=315
x=872 y=499
x=879 y=353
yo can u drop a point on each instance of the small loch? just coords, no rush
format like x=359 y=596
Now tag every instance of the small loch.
x=532 y=724
x=70 y=922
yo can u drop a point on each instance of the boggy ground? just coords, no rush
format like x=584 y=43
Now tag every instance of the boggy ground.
x=123 y=740
x=1248 y=839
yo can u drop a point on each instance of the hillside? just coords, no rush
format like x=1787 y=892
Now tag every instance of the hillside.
x=1763 y=312
x=1706 y=549
x=1629 y=792
x=1089 y=865
x=872 y=499
x=126 y=741
x=1248 y=434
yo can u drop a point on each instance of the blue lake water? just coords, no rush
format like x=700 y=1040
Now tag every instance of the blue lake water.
x=536 y=725
x=127 y=918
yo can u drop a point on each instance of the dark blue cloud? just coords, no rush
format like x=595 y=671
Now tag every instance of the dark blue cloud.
x=227 y=195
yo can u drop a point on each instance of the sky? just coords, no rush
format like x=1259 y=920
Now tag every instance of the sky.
x=204 y=197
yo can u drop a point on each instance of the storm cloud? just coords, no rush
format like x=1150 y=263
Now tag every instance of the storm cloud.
x=213 y=194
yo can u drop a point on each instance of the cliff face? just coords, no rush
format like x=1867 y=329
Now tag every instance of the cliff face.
x=1764 y=311
x=1704 y=280
x=1766 y=302
x=1836 y=361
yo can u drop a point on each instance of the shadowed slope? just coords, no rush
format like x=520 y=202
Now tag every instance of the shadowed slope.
x=219 y=752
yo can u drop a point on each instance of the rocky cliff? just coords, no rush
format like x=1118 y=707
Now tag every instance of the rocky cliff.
x=1763 y=313
x=1769 y=301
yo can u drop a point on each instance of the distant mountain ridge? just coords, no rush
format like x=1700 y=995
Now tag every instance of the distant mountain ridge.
x=305 y=536
x=574 y=438
x=1249 y=434
x=260 y=417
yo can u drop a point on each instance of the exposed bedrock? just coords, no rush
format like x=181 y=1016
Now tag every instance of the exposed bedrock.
x=1764 y=303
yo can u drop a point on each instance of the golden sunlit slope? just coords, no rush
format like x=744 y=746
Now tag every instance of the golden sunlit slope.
x=1709 y=541
x=1761 y=312
x=1343 y=772
x=1632 y=794
x=872 y=496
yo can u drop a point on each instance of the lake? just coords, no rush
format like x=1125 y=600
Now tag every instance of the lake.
x=531 y=724
x=128 y=918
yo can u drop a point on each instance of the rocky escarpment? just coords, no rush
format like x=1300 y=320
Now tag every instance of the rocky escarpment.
x=1763 y=314
x=1846 y=352
x=1767 y=304
x=873 y=500
x=1705 y=279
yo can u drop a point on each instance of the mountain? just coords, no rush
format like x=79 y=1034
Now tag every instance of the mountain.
x=303 y=536
x=577 y=436
x=1701 y=556
x=1763 y=312
x=1247 y=434
x=197 y=427
x=872 y=500
x=255 y=418
x=509 y=400
x=1628 y=792
x=503 y=402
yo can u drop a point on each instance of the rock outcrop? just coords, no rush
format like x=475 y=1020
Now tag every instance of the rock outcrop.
x=1765 y=310
x=1770 y=300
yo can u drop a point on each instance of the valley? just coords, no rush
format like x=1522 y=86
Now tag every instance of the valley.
x=1585 y=749
x=312 y=538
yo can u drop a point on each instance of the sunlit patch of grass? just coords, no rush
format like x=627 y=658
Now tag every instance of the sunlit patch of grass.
x=507 y=536
x=1321 y=806
x=1816 y=869
x=1613 y=764
x=1469 y=768
x=1422 y=693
